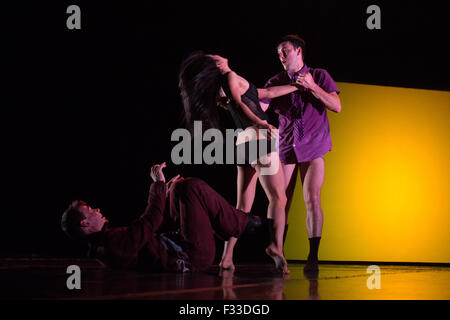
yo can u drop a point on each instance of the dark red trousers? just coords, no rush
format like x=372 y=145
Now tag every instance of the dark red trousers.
x=202 y=213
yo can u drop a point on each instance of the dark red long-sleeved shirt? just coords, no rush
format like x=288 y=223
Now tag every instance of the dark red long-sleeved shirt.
x=136 y=245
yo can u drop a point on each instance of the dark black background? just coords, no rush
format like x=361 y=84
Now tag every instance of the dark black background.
x=85 y=113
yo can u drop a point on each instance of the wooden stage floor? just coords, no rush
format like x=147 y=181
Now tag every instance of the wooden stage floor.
x=39 y=278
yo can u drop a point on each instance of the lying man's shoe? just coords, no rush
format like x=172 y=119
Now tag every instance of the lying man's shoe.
x=254 y=223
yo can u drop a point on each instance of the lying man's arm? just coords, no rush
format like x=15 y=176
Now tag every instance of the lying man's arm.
x=124 y=243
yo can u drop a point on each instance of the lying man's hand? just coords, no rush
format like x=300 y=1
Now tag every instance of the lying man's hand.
x=156 y=172
x=172 y=183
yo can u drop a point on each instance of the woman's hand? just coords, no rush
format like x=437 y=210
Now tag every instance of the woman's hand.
x=221 y=63
x=272 y=132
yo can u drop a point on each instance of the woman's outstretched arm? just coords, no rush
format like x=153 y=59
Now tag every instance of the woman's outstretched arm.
x=276 y=91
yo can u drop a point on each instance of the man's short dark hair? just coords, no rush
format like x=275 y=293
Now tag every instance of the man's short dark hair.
x=71 y=218
x=296 y=42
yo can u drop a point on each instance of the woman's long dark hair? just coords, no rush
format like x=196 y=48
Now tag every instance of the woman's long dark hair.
x=199 y=83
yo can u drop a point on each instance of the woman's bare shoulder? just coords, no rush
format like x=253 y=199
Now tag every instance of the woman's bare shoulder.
x=235 y=80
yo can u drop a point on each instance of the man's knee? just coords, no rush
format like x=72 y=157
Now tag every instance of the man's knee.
x=188 y=186
x=312 y=198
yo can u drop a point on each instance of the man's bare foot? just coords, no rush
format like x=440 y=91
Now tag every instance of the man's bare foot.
x=278 y=258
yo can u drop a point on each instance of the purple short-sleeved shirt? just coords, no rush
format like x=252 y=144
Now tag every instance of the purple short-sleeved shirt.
x=303 y=123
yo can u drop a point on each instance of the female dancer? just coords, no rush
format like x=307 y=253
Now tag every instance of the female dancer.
x=204 y=81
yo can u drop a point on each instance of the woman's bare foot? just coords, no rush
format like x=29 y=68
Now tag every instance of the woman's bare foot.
x=278 y=258
x=227 y=264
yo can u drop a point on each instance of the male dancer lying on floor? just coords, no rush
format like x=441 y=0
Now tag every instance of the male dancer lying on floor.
x=195 y=209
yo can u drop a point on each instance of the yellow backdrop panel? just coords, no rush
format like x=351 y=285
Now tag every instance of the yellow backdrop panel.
x=386 y=190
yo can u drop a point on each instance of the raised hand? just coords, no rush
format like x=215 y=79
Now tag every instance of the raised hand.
x=156 y=172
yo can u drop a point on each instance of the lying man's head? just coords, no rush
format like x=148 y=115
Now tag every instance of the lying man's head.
x=80 y=220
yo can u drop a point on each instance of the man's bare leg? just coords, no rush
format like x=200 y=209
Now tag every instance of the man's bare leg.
x=290 y=178
x=313 y=175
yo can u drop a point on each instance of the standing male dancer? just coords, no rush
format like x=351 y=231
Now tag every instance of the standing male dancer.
x=304 y=132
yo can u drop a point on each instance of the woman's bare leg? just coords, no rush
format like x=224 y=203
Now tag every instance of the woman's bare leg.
x=246 y=188
x=274 y=187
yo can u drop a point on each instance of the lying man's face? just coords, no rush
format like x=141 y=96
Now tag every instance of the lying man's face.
x=93 y=220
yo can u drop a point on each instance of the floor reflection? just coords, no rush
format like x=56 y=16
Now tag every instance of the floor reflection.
x=313 y=278
x=247 y=282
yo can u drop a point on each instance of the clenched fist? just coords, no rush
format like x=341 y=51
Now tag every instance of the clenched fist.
x=305 y=80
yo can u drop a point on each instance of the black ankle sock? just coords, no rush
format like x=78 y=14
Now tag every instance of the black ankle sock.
x=314 y=248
